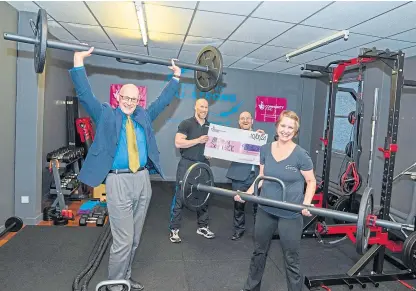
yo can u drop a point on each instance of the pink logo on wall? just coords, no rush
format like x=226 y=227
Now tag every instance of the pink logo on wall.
x=269 y=108
x=115 y=88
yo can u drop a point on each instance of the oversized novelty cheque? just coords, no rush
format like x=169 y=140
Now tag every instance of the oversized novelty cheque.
x=233 y=144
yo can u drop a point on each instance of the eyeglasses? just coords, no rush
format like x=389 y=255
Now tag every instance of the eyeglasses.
x=127 y=99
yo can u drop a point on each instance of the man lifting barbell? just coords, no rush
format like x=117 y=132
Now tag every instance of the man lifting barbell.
x=292 y=164
x=123 y=152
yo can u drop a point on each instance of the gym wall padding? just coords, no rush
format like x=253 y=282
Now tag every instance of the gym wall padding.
x=58 y=86
x=239 y=93
x=8 y=57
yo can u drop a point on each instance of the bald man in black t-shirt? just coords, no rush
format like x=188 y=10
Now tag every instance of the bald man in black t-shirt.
x=190 y=139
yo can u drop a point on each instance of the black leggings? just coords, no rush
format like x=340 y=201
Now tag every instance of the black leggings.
x=290 y=232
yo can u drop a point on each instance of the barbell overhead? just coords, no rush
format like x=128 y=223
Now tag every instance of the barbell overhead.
x=208 y=68
x=197 y=186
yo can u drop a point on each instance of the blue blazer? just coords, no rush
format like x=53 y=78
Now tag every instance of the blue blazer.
x=108 y=123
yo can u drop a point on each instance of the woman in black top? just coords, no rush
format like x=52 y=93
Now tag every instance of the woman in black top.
x=289 y=162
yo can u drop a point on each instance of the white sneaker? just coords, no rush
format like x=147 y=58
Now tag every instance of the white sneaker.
x=174 y=236
x=206 y=232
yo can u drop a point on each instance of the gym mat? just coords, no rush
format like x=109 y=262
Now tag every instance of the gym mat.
x=48 y=258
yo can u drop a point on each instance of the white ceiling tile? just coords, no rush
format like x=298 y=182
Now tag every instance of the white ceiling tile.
x=409 y=35
x=410 y=52
x=392 y=45
x=180 y=4
x=326 y=60
x=269 y=52
x=238 y=49
x=305 y=58
x=28 y=6
x=165 y=40
x=187 y=57
x=92 y=33
x=195 y=44
x=167 y=19
x=259 y=30
x=248 y=63
x=106 y=11
x=58 y=31
x=215 y=25
x=393 y=22
x=163 y=53
x=360 y=10
x=231 y=7
x=124 y=36
x=100 y=45
x=68 y=11
x=289 y=11
x=133 y=49
x=354 y=40
x=274 y=66
x=300 y=36
x=228 y=60
x=292 y=71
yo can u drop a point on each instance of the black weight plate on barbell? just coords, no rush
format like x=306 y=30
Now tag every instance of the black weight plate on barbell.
x=343 y=203
x=363 y=231
x=17 y=221
x=209 y=57
x=41 y=36
x=198 y=173
x=409 y=252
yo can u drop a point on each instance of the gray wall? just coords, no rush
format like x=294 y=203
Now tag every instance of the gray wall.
x=239 y=93
x=58 y=86
x=8 y=57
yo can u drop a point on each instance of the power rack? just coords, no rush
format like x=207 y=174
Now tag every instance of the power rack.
x=381 y=246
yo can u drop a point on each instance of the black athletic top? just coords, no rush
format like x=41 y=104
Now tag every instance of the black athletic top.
x=192 y=129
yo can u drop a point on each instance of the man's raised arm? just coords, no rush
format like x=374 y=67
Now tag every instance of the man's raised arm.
x=167 y=94
x=82 y=86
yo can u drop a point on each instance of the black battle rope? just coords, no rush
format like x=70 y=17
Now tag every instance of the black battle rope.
x=97 y=262
x=103 y=244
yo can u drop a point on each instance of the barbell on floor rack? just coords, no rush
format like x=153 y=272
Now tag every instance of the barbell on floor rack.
x=13 y=224
x=198 y=185
x=208 y=68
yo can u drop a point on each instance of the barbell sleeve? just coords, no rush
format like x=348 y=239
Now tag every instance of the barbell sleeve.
x=103 y=52
x=340 y=215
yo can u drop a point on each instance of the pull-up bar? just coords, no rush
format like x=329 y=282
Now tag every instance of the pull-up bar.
x=409 y=83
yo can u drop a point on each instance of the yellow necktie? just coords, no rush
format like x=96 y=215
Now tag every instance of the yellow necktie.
x=133 y=152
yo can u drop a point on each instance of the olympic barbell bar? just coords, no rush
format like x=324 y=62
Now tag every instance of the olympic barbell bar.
x=208 y=69
x=199 y=175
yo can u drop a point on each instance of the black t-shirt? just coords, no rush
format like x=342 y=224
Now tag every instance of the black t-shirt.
x=192 y=129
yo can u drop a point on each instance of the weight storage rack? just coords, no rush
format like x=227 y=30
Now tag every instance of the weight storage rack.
x=65 y=173
x=381 y=247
